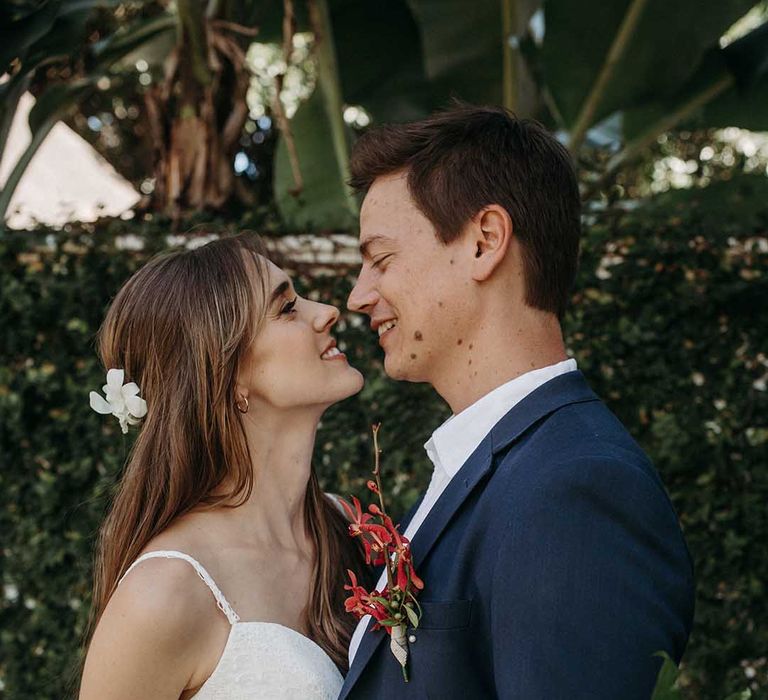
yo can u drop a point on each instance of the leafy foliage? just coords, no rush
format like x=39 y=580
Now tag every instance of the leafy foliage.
x=655 y=62
x=668 y=323
x=645 y=66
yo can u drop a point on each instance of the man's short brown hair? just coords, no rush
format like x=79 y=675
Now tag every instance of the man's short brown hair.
x=465 y=158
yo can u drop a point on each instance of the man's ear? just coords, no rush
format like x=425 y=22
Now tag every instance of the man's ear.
x=492 y=234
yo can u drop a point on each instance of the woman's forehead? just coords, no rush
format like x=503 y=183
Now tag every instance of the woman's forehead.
x=259 y=264
x=276 y=274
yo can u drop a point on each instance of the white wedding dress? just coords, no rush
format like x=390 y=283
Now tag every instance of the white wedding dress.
x=262 y=660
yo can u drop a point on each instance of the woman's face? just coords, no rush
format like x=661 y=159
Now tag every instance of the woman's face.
x=294 y=361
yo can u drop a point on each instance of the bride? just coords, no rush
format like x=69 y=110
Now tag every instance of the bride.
x=219 y=569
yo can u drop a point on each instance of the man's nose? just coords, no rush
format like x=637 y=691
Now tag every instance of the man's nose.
x=363 y=296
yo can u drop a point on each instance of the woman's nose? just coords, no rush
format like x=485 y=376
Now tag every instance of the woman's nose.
x=326 y=317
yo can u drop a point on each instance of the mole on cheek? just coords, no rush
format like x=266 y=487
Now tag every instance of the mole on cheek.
x=440 y=304
x=459 y=341
x=470 y=362
x=417 y=335
x=413 y=356
x=470 y=346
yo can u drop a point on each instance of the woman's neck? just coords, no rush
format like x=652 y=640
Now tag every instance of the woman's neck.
x=280 y=445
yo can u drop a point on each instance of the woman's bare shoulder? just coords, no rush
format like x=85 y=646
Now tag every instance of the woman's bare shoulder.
x=164 y=589
x=163 y=585
x=151 y=633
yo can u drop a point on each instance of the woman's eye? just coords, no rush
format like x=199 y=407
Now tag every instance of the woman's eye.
x=290 y=307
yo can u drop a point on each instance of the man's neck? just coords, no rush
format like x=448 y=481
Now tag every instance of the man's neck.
x=494 y=355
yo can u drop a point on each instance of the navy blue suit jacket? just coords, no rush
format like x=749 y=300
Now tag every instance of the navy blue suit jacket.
x=553 y=566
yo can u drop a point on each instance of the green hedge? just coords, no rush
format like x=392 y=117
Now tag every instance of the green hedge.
x=669 y=324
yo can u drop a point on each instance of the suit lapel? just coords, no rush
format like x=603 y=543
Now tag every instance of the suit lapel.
x=566 y=389
x=563 y=390
x=455 y=493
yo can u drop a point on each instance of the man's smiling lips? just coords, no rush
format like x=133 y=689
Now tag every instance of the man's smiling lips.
x=383 y=326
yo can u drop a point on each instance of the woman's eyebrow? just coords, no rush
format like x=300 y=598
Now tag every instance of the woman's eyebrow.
x=279 y=291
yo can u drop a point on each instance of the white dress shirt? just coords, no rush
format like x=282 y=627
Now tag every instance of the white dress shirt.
x=454 y=442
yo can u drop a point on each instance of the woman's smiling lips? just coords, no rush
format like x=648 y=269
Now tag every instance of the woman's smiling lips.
x=332 y=352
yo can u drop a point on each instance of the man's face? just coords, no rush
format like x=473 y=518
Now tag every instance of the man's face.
x=416 y=289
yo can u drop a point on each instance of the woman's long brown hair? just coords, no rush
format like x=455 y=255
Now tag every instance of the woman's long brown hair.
x=180 y=327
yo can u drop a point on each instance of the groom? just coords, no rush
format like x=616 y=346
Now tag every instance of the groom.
x=552 y=559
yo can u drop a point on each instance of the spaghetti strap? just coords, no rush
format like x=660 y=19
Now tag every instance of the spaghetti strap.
x=221 y=601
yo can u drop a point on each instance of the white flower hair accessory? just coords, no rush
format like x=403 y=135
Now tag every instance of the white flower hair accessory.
x=122 y=400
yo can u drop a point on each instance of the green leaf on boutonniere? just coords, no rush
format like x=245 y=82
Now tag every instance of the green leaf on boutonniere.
x=666 y=688
x=412 y=616
x=389 y=623
x=743 y=695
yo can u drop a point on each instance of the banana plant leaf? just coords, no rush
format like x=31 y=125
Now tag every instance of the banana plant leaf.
x=380 y=57
x=740 y=70
x=150 y=39
x=35 y=35
x=56 y=100
x=463 y=48
x=324 y=201
x=56 y=29
x=661 y=54
x=50 y=107
x=65 y=35
x=19 y=33
x=268 y=15
x=745 y=104
x=666 y=680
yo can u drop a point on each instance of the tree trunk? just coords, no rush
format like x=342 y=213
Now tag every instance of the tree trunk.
x=196 y=117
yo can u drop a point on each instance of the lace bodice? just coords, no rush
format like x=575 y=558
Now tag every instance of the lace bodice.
x=262 y=660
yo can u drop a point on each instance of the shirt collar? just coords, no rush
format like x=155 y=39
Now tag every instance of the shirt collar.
x=458 y=437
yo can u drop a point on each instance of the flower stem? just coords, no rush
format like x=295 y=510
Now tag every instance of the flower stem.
x=377 y=474
x=376 y=468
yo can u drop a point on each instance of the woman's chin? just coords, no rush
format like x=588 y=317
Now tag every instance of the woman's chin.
x=356 y=382
x=349 y=383
x=352 y=384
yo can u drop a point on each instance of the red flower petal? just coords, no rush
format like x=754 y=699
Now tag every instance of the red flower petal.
x=416 y=581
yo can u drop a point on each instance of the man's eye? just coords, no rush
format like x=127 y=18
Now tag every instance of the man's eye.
x=290 y=307
x=380 y=260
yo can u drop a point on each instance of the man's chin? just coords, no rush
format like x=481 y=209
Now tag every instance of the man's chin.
x=400 y=371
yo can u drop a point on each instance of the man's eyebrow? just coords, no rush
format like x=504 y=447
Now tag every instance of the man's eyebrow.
x=278 y=291
x=368 y=242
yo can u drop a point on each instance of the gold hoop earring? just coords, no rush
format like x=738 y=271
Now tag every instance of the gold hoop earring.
x=239 y=405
